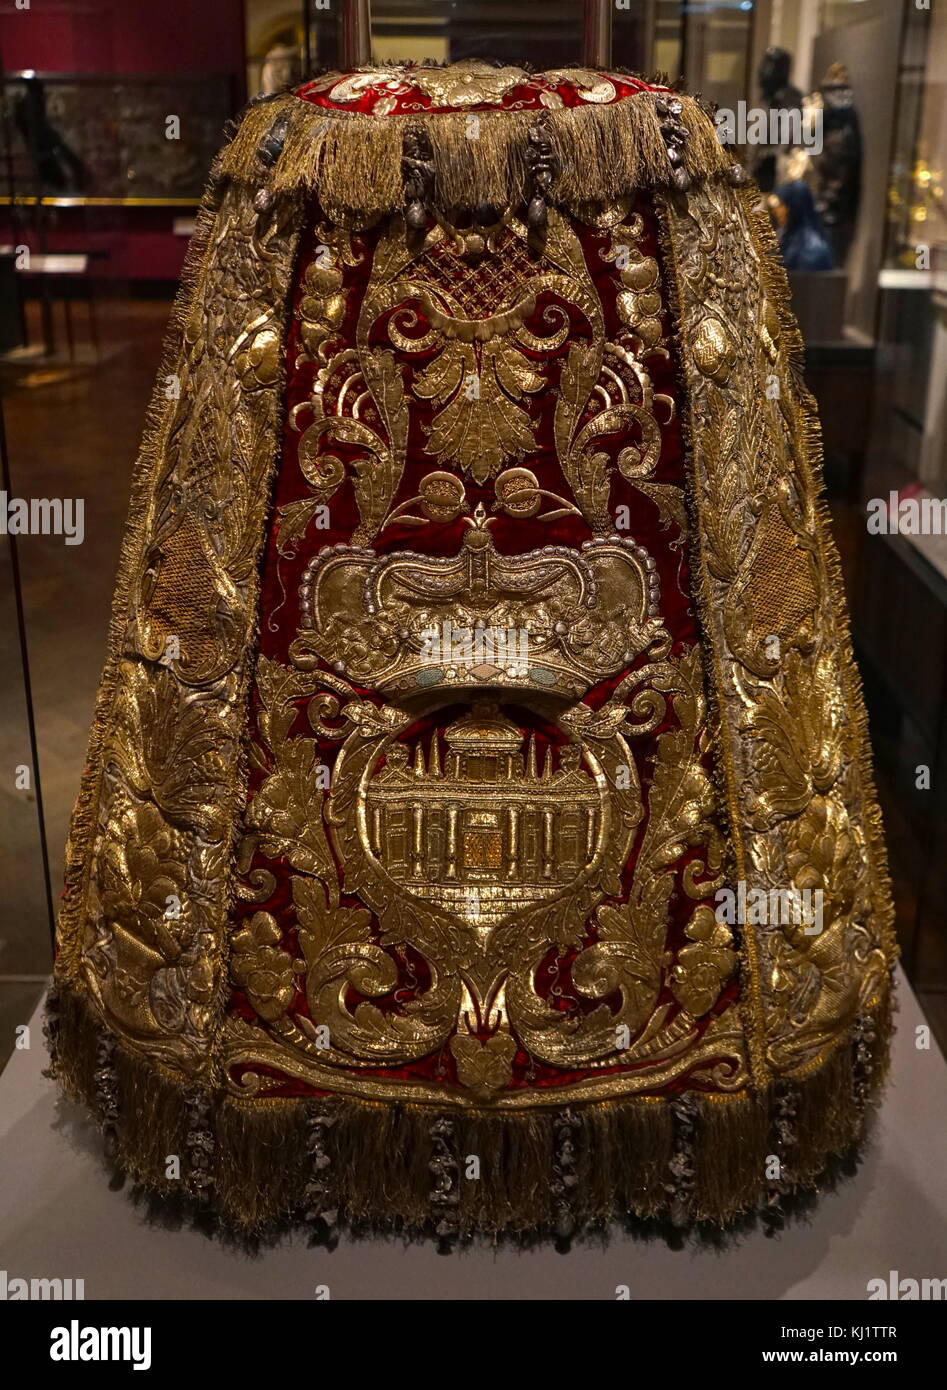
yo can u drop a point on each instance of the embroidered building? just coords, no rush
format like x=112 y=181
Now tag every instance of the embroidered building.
x=485 y=831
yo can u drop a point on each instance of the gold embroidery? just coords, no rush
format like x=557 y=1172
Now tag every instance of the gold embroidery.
x=791 y=731
x=467 y=851
x=159 y=875
x=614 y=377
x=468 y=83
x=481 y=860
x=703 y=967
x=481 y=377
x=345 y=381
x=471 y=82
x=484 y=1067
x=592 y=86
x=554 y=620
x=169 y=785
x=630 y=954
x=259 y=966
x=563 y=920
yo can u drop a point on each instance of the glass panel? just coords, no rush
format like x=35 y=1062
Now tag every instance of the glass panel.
x=25 y=927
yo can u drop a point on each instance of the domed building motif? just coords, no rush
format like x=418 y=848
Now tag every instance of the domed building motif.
x=490 y=831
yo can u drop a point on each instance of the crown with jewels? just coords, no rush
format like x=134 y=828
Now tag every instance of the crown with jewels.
x=554 y=620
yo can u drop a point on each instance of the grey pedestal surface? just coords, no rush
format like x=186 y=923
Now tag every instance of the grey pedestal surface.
x=59 y=1219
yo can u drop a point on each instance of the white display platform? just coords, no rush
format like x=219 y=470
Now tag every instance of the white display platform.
x=59 y=1219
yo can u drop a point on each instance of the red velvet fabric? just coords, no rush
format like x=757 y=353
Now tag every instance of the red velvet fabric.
x=281 y=576
x=392 y=93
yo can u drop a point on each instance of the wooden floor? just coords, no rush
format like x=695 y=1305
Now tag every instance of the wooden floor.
x=73 y=431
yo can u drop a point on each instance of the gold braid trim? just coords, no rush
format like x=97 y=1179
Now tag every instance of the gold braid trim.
x=261 y=1166
x=354 y=161
x=725 y=776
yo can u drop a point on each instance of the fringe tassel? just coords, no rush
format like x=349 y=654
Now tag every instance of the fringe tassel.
x=680 y=1184
x=733 y=1140
x=696 y=1159
x=318 y=1117
x=445 y=1169
x=566 y=1127
x=785 y=1135
x=353 y=161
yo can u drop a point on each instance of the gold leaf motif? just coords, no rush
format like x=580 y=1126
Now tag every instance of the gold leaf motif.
x=143 y=873
x=483 y=375
x=282 y=810
x=702 y=968
x=714 y=350
x=337 y=400
x=592 y=86
x=480 y=422
x=484 y=1067
x=797 y=725
x=260 y=967
x=340 y=958
x=467 y=83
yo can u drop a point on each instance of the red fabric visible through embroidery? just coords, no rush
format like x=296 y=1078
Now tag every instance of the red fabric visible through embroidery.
x=282 y=574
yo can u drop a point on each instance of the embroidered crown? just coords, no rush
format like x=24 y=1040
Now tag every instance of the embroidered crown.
x=553 y=619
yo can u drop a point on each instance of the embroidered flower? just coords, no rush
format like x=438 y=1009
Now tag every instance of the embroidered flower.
x=262 y=968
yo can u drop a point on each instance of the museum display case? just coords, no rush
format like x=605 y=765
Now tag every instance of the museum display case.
x=501 y=464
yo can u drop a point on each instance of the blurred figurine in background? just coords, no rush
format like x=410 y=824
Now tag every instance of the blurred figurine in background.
x=777 y=93
x=837 y=170
x=282 y=66
x=801 y=232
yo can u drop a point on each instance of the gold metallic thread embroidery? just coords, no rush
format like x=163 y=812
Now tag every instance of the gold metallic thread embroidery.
x=159 y=883
x=791 y=734
x=503 y=876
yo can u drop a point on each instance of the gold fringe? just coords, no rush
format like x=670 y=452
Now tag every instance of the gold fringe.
x=513 y=1191
x=77 y=1030
x=155 y=1121
x=379 y=1173
x=260 y=1161
x=734 y=1140
x=354 y=161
